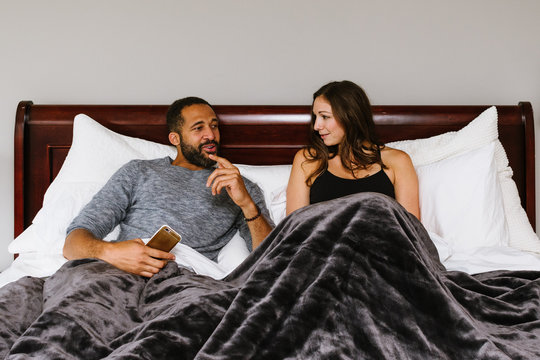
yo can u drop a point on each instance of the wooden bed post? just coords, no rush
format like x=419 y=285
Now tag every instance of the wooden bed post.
x=22 y=116
x=530 y=164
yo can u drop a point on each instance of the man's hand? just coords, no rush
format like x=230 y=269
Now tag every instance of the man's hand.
x=228 y=176
x=135 y=257
x=131 y=255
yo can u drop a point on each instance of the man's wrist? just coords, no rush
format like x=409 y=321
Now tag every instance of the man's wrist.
x=251 y=212
x=103 y=250
x=254 y=217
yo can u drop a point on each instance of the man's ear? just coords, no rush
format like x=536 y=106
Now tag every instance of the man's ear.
x=174 y=138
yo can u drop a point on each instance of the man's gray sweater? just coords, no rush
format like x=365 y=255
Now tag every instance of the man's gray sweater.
x=145 y=194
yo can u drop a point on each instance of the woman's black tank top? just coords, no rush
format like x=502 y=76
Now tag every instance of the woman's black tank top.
x=327 y=186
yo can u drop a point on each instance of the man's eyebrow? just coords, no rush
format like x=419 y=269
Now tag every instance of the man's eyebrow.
x=201 y=122
x=196 y=124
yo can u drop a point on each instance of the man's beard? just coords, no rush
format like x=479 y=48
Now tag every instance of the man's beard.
x=196 y=156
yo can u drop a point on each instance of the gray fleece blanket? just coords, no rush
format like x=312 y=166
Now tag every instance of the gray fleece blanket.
x=353 y=278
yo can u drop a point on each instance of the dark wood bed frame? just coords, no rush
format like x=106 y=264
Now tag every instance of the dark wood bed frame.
x=261 y=135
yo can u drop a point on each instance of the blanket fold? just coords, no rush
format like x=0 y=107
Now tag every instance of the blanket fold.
x=353 y=278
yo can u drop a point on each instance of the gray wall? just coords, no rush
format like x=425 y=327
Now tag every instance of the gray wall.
x=260 y=52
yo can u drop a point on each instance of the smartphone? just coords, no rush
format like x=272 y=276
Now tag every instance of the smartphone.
x=164 y=239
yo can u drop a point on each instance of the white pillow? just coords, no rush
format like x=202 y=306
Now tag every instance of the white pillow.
x=88 y=166
x=478 y=133
x=95 y=154
x=460 y=200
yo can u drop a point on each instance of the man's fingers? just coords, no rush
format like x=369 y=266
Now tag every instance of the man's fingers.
x=213 y=176
x=153 y=263
x=158 y=254
x=221 y=182
x=219 y=173
x=221 y=161
x=147 y=274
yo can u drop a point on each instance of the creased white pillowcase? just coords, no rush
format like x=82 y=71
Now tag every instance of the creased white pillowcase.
x=478 y=133
x=95 y=154
x=460 y=199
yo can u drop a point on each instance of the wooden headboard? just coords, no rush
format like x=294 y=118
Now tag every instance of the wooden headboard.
x=249 y=134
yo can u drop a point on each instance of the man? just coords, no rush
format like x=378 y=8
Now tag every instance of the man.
x=185 y=193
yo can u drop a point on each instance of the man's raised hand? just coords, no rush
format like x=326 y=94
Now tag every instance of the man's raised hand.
x=228 y=176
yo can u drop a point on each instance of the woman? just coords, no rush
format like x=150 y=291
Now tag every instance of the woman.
x=345 y=156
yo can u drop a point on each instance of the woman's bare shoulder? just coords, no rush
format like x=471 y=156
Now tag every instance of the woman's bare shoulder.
x=300 y=154
x=395 y=157
x=305 y=158
x=304 y=154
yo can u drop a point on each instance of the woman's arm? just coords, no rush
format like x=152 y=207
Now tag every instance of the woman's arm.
x=405 y=180
x=297 y=190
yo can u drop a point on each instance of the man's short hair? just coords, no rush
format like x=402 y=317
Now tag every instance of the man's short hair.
x=174 y=113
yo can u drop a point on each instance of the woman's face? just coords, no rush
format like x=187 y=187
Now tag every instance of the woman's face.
x=330 y=131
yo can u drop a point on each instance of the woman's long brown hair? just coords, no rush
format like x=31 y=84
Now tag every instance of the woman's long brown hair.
x=352 y=110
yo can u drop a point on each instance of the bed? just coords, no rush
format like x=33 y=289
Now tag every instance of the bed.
x=490 y=257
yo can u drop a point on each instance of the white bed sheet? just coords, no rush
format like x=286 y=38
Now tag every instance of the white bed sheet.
x=490 y=258
x=42 y=265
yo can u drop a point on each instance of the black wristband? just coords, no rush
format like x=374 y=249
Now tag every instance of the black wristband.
x=255 y=217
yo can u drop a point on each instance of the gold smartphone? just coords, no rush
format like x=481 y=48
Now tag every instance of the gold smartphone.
x=164 y=239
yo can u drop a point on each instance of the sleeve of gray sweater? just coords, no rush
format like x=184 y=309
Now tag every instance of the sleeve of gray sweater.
x=110 y=205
